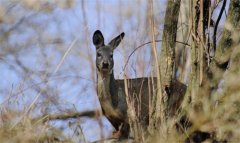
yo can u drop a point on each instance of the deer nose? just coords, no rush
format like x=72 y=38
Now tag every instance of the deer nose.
x=105 y=65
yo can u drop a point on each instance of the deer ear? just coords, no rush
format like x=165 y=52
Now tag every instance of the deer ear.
x=116 y=41
x=98 y=39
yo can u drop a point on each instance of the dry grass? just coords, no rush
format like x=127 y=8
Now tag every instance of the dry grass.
x=26 y=131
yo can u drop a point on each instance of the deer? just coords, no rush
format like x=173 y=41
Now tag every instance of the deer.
x=111 y=92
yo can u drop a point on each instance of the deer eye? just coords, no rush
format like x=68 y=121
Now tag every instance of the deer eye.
x=111 y=56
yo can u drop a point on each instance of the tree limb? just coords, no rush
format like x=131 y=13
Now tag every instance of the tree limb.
x=186 y=44
x=216 y=26
x=66 y=116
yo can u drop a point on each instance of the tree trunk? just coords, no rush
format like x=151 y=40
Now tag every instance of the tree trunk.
x=167 y=58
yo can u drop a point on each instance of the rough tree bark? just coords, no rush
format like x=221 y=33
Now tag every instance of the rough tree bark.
x=198 y=84
x=169 y=41
x=167 y=58
x=172 y=90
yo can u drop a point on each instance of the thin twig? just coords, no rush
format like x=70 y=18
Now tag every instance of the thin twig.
x=147 y=44
x=216 y=26
x=65 y=54
x=41 y=90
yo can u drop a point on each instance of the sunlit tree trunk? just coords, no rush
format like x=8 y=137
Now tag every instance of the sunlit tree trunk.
x=166 y=71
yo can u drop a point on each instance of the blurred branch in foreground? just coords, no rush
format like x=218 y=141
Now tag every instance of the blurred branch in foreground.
x=67 y=116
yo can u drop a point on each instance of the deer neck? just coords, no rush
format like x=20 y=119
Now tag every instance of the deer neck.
x=106 y=86
x=103 y=85
x=107 y=91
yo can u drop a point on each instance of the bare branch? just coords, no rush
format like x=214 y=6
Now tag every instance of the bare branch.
x=66 y=116
x=147 y=44
x=216 y=26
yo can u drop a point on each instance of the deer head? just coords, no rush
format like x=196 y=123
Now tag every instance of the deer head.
x=104 y=53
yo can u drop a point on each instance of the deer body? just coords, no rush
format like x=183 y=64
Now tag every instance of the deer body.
x=112 y=98
x=112 y=92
